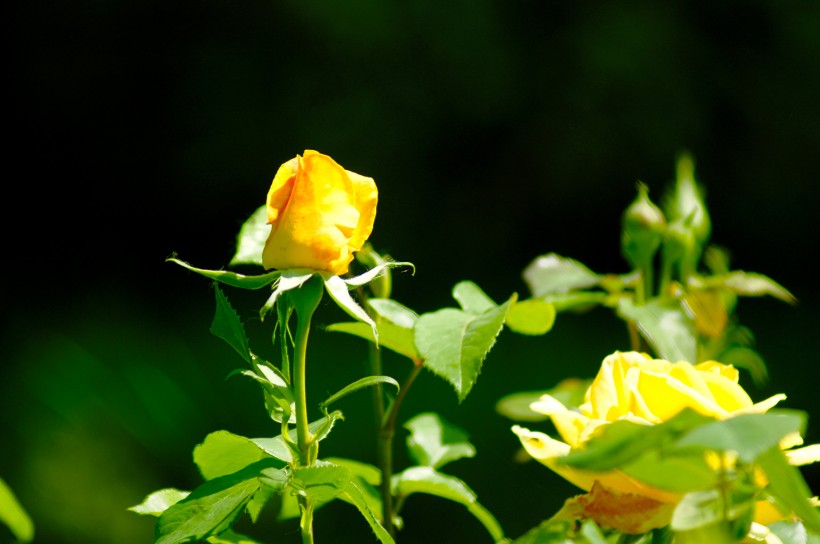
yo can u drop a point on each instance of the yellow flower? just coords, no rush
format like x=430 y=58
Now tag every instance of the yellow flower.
x=319 y=213
x=632 y=386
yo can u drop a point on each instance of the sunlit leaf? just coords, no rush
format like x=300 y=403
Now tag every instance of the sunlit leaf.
x=428 y=480
x=211 y=508
x=552 y=273
x=226 y=325
x=666 y=325
x=680 y=473
x=532 y=316
x=250 y=242
x=13 y=515
x=159 y=501
x=261 y=498
x=793 y=532
x=471 y=298
x=434 y=442
x=321 y=483
x=516 y=406
x=354 y=495
x=750 y=284
x=398 y=339
x=454 y=343
x=224 y=453
x=749 y=435
x=786 y=484
x=231 y=537
x=232 y=278
x=622 y=442
x=394 y=312
x=575 y=301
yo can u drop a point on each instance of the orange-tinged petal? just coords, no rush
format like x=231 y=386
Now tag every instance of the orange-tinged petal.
x=316 y=224
x=367 y=196
x=280 y=189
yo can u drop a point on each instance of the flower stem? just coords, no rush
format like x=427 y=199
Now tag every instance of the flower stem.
x=303 y=437
x=387 y=431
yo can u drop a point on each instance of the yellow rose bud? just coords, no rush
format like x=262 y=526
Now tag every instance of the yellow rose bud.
x=320 y=214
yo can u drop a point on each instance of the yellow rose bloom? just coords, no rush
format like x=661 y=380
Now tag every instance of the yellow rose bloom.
x=635 y=387
x=320 y=214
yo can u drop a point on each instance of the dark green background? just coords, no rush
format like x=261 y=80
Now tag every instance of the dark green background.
x=496 y=131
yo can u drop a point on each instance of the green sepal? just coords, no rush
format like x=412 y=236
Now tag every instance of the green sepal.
x=338 y=291
x=13 y=515
x=368 y=381
x=433 y=442
x=159 y=501
x=278 y=448
x=375 y=272
x=454 y=343
x=233 y=279
x=666 y=325
x=551 y=273
x=250 y=242
x=290 y=281
x=428 y=480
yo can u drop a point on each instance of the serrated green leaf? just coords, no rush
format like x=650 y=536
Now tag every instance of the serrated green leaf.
x=532 y=317
x=211 y=508
x=354 y=495
x=159 y=501
x=666 y=325
x=750 y=284
x=552 y=273
x=749 y=435
x=434 y=442
x=454 y=343
x=711 y=516
x=261 y=498
x=234 y=279
x=472 y=299
x=224 y=453
x=231 y=537
x=392 y=337
x=13 y=515
x=250 y=242
x=681 y=473
x=226 y=325
x=338 y=291
x=321 y=483
x=786 y=484
x=622 y=442
x=428 y=480
x=368 y=381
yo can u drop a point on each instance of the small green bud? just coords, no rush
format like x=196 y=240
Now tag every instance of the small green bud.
x=643 y=228
x=686 y=201
x=680 y=248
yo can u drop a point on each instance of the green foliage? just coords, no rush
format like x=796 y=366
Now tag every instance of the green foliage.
x=14 y=516
x=433 y=442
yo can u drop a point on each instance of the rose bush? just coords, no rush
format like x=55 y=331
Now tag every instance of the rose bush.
x=635 y=387
x=320 y=214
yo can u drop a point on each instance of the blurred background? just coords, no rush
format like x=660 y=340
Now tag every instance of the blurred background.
x=496 y=132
